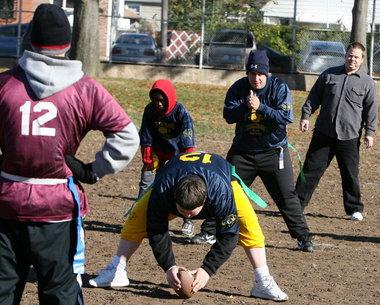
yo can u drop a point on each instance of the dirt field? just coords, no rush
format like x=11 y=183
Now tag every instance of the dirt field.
x=344 y=270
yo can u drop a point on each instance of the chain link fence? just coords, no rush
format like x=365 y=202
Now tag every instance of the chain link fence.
x=291 y=47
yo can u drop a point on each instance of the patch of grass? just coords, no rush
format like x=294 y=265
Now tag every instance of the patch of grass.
x=204 y=102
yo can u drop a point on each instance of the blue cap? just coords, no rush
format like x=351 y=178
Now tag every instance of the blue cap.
x=258 y=62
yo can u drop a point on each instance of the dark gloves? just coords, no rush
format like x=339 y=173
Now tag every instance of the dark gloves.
x=82 y=172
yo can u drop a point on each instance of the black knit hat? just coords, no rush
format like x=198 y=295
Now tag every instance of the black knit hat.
x=258 y=62
x=51 y=31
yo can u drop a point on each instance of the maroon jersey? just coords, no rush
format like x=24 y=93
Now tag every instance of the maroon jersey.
x=35 y=136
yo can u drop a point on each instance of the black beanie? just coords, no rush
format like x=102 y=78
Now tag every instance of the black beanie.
x=258 y=62
x=51 y=31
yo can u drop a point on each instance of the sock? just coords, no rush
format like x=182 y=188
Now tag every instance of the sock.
x=117 y=263
x=261 y=273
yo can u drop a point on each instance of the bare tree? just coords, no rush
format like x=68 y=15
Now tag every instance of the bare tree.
x=359 y=24
x=85 y=42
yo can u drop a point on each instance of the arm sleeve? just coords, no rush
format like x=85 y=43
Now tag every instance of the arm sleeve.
x=227 y=230
x=186 y=139
x=314 y=99
x=145 y=132
x=370 y=112
x=235 y=106
x=158 y=231
x=282 y=112
x=117 y=151
x=219 y=252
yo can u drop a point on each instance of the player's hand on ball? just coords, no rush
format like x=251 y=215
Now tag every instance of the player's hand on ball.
x=172 y=277
x=304 y=125
x=187 y=279
x=201 y=278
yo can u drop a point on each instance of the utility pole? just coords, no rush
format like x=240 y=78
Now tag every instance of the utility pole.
x=19 y=30
x=294 y=35
x=202 y=33
x=372 y=38
x=164 y=27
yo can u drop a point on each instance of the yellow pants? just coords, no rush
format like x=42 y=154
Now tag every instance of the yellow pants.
x=250 y=234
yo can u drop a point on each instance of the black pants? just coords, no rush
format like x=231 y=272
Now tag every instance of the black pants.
x=50 y=248
x=278 y=182
x=321 y=151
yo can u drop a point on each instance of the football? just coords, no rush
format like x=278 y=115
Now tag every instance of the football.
x=186 y=278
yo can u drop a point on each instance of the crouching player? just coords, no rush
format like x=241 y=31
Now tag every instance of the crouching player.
x=195 y=185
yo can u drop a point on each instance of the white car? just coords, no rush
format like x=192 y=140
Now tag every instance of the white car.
x=320 y=55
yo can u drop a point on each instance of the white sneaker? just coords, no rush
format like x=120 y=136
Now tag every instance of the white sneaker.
x=187 y=228
x=357 y=216
x=269 y=290
x=110 y=276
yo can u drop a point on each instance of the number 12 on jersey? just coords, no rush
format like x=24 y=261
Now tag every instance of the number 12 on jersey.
x=37 y=124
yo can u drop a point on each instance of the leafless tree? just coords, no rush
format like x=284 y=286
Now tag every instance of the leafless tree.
x=359 y=23
x=85 y=41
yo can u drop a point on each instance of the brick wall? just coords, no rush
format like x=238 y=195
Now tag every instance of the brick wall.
x=29 y=6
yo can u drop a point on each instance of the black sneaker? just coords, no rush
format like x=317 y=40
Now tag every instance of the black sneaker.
x=203 y=239
x=305 y=244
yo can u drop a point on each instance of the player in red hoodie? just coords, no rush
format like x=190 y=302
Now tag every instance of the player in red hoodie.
x=166 y=130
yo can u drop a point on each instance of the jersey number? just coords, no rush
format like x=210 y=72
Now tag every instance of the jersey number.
x=195 y=157
x=37 y=124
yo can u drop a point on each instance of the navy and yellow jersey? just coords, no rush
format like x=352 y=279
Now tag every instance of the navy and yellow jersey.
x=265 y=128
x=167 y=134
x=216 y=173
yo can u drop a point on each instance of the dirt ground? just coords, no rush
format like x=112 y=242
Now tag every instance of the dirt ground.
x=345 y=269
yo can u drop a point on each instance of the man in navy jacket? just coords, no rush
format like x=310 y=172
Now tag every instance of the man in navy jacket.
x=261 y=106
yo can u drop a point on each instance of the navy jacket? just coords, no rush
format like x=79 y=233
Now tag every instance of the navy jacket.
x=264 y=129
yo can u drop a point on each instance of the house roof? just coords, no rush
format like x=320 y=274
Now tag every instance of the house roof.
x=131 y=15
x=322 y=11
x=144 y=1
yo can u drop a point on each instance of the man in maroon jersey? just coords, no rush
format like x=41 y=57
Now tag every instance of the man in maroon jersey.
x=47 y=106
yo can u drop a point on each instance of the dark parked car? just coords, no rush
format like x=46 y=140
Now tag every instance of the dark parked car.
x=278 y=62
x=9 y=39
x=230 y=48
x=134 y=47
x=320 y=55
x=376 y=62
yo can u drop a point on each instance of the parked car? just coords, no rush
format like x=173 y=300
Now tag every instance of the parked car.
x=320 y=55
x=135 y=47
x=376 y=62
x=9 y=39
x=230 y=48
x=278 y=63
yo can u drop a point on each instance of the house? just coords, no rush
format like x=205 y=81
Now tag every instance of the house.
x=149 y=11
x=322 y=14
